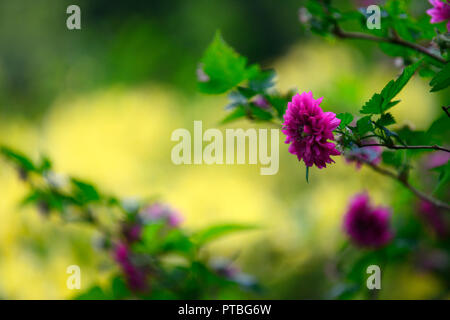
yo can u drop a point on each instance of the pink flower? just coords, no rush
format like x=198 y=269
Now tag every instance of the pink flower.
x=440 y=12
x=308 y=130
x=365 y=225
x=433 y=216
x=261 y=102
x=437 y=159
x=132 y=233
x=371 y=154
x=136 y=277
x=159 y=211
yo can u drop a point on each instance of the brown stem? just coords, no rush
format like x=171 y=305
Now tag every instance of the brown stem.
x=435 y=147
x=446 y=110
x=395 y=40
x=405 y=183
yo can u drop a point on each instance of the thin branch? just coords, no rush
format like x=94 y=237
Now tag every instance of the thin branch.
x=395 y=40
x=446 y=110
x=397 y=147
x=405 y=183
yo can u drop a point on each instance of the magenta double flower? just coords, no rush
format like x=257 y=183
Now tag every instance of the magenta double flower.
x=440 y=12
x=308 y=130
x=367 y=226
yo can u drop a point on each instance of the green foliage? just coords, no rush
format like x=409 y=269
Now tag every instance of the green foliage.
x=444 y=177
x=224 y=67
x=380 y=102
x=346 y=119
x=386 y=119
x=441 y=80
x=78 y=201
x=364 y=125
x=392 y=158
x=19 y=159
x=209 y=234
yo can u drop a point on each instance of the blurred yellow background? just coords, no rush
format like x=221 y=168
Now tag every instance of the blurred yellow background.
x=119 y=138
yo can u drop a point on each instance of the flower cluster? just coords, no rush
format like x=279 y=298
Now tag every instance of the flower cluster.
x=136 y=273
x=371 y=154
x=365 y=225
x=440 y=12
x=308 y=130
x=158 y=212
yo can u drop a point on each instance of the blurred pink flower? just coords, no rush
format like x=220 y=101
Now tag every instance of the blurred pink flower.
x=308 y=130
x=371 y=154
x=440 y=12
x=367 y=226
x=437 y=159
x=159 y=211
x=132 y=233
x=261 y=102
x=433 y=216
x=135 y=276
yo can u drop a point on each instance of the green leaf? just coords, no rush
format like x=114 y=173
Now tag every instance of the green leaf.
x=444 y=176
x=346 y=118
x=212 y=233
x=237 y=113
x=85 y=192
x=373 y=106
x=262 y=81
x=177 y=241
x=440 y=129
x=260 y=114
x=414 y=137
x=364 y=125
x=119 y=288
x=151 y=240
x=380 y=102
x=385 y=120
x=279 y=103
x=21 y=160
x=94 y=293
x=224 y=67
x=441 y=80
x=392 y=158
x=394 y=87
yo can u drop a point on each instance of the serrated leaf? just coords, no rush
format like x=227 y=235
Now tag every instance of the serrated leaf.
x=394 y=87
x=238 y=113
x=380 y=102
x=364 y=125
x=212 y=233
x=223 y=67
x=386 y=120
x=346 y=118
x=373 y=106
x=441 y=80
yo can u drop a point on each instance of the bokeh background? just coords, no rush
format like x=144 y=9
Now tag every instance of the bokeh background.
x=102 y=103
